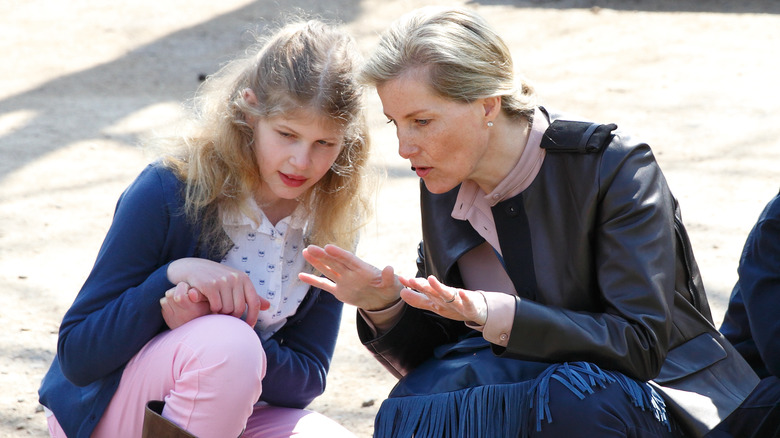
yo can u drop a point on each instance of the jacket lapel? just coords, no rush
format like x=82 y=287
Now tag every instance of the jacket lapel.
x=514 y=237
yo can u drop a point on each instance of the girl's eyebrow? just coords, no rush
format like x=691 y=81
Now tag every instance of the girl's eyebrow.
x=285 y=127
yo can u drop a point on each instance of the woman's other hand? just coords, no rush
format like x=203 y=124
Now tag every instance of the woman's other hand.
x=449 y=302
x=227 y=290
x=350 y=279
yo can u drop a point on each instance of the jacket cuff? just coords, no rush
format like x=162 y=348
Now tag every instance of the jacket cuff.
x=381 y=321
x=500 y=318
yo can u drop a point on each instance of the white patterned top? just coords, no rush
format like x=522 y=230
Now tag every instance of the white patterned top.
x=271 y=256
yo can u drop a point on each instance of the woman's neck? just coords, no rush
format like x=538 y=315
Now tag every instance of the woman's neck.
x=506 y=144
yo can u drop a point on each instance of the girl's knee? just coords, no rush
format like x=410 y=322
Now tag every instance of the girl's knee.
x=226 y=343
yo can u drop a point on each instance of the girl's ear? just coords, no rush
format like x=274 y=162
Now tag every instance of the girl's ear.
x=251 y=99
x=249 y=96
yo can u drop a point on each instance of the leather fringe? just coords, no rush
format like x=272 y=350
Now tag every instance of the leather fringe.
x=503 y=409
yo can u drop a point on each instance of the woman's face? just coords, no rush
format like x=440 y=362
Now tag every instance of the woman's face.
x=444 y=140
x=293 y=152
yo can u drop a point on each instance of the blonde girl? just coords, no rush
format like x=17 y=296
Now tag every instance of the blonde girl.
x=193 y=321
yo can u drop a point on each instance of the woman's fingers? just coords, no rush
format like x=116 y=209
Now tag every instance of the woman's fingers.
x=344 y=259
x=317 y=281
x=454 y=303
x=443 y=292
x=321 y=261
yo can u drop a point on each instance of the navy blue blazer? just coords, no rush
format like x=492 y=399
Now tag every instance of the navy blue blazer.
x=751 y=322
x=117 y=312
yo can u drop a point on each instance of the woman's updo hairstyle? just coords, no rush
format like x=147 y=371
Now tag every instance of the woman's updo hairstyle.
x=464 y=58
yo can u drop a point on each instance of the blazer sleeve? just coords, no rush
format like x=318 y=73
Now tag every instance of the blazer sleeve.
x=759 y=282
x=624 y=321
x=117 y=310
x=299 y=354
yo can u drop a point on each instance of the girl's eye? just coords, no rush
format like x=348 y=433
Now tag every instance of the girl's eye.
x=284 y=134
x=325 y=143
x=389 y=121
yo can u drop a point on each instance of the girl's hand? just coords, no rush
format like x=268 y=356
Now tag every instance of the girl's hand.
x=227 y=290
x=449 y=302
x=350 y=279
x=178 y=308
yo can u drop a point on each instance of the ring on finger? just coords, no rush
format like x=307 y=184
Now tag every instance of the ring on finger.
x=455 y=295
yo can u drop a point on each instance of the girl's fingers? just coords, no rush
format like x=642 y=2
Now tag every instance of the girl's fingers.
x=253 y=302
x=195 y=296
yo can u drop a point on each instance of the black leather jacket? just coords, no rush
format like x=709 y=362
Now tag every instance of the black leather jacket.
x=604 y=271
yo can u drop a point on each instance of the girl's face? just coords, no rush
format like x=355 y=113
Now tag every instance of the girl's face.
x=444 y=140
x=293 y=152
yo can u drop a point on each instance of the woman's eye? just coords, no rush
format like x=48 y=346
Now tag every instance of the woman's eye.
x=389 y=121
x=422 y=122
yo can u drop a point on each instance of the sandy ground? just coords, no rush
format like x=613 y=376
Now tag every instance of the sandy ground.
x=84 y=82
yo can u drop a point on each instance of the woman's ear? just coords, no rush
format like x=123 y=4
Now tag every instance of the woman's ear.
x=491 y=106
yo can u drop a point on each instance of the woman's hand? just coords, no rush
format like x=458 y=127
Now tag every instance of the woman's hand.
x=227 y=290
x=350 y=279
x=449 y=302
x=180 y=305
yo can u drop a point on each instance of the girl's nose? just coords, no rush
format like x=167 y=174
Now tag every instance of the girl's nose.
x=300 y=157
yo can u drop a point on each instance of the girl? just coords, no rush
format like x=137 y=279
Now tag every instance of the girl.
x=194 y=299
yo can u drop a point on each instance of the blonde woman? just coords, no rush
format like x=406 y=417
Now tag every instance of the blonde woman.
x=194 y=303
x=557 y=294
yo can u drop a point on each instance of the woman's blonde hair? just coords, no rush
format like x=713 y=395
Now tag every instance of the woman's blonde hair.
x=309 y=65
x=464 y=58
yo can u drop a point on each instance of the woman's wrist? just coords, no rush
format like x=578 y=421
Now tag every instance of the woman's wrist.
x=380 y=307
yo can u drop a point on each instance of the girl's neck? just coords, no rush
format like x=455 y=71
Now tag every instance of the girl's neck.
x=276 y=210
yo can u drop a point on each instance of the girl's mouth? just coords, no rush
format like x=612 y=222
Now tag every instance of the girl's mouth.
x=292 y=180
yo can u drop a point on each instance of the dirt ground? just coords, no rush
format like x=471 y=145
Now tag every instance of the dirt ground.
x=83 y=83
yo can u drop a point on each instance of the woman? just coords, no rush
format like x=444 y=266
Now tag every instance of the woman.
x=556 y=242
x=194 y=302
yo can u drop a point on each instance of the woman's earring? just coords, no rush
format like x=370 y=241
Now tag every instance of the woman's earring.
x=490 y=124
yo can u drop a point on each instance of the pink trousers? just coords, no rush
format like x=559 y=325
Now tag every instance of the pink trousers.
x=209 y=372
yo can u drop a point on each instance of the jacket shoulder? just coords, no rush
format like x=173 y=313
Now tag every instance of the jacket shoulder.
x=566 y=135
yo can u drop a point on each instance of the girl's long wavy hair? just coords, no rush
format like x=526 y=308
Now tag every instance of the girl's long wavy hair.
x=307 y=65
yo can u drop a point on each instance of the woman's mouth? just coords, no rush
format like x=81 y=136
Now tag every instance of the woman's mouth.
x=421 y=171
x=292 y=180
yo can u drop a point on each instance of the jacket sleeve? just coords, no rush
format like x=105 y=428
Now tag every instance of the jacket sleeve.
x=759 y=282
x=117 y=310
x=414 y=337
x=623 y=318
x=299 y=354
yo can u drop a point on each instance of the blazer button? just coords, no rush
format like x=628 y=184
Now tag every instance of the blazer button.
x=512 y=209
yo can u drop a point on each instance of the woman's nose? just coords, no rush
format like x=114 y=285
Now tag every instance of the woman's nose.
x=406 y=148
